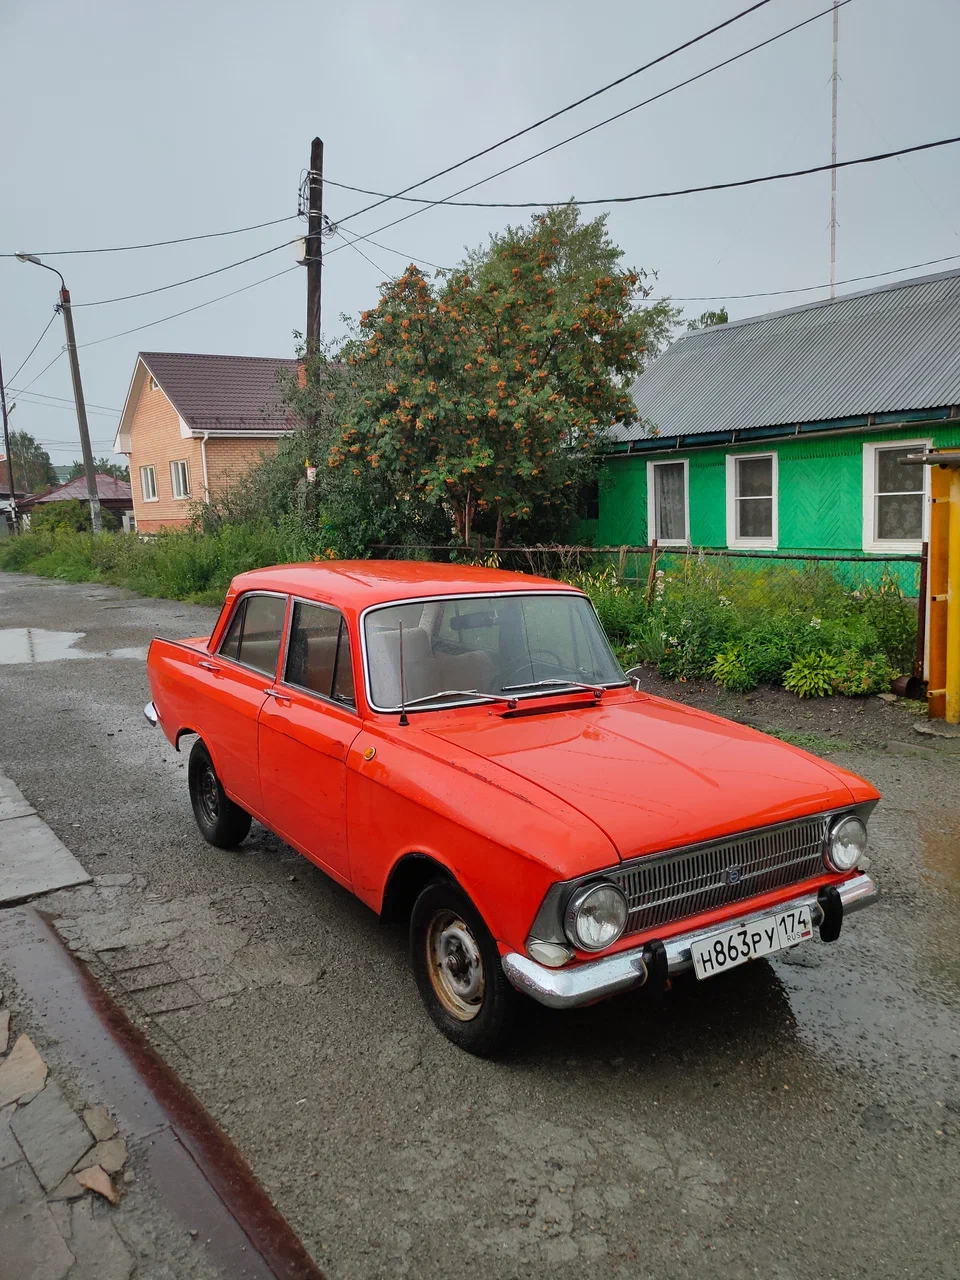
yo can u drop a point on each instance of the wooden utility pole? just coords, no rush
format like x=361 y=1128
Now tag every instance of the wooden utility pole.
x=314 y=245
x=6 y=445
x=834 y=82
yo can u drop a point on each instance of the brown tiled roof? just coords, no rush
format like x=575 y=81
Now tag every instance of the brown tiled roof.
x=224 y=393
x=108 y=489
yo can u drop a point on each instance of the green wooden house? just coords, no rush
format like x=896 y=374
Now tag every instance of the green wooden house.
x=785 y=432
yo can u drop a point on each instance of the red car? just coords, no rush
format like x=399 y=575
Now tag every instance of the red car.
x=460 y=748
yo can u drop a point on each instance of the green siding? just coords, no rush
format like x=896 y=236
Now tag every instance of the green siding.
x=820 y=496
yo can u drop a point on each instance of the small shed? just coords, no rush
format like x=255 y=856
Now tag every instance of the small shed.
x=115 y=495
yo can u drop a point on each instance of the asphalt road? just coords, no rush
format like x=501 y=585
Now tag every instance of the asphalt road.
x=793 y=1118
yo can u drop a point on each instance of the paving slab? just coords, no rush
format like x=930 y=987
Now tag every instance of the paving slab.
x=23 y=1072
x=4 y=1029
x=31 y=1245
x=32 y=859
x=109 y=1155
x=10 y=1151
x=100 y=1124
x=52 y=1135
x=99 y=1251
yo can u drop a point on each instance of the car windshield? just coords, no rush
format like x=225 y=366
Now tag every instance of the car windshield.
x=492 y=645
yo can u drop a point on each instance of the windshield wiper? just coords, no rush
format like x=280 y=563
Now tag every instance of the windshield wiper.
x=458 y=693
x=596 y=689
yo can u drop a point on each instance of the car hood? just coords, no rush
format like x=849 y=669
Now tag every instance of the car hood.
x=654 y=774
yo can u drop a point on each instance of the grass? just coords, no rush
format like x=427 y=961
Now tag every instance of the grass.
x=817 y=743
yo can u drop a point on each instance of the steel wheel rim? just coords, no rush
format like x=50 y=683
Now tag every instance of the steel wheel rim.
x=455 y=966
x=208 y=796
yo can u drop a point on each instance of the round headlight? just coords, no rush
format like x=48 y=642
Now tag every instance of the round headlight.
x=846 y=844
x=595 y=917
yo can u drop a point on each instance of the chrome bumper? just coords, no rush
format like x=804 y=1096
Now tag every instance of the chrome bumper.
x=150 y=711
x=598 y=979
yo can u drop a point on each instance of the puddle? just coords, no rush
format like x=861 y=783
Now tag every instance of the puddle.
x=19 y=645
x=941 y=851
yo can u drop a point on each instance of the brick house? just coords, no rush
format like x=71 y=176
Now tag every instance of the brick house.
x=192 y=425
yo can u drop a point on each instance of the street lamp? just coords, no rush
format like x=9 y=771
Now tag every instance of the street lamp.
x=95 y=517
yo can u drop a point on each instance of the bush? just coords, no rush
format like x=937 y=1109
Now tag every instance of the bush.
x=857 y=674
x=812 y=675
x=72 y=515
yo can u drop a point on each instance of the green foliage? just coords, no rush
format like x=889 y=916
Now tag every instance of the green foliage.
x=72 y=515
x=730 y=669
x=707 y=319
x=818 y=743
x=744 y=626
x=103 y=467
x=812 y=675
x=32 y=469
x=858 y=675
x=179 y=565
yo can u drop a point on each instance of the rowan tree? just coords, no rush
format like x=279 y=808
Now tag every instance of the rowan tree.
x=483 y=395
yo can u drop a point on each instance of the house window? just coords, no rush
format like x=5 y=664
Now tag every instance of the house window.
x=180 y=479
x=752 y=500
x=148 y=483
x=152 y=383
x=668 y=503
x=894 y=497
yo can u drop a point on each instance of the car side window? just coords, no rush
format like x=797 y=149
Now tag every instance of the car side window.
x=255 y=632
x=230 y=645
x=318 y=657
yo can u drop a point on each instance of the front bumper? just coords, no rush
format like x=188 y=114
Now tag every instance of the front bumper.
x=598 y=979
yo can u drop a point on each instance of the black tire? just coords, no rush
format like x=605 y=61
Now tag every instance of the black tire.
x=468 y=995
x=221 y=822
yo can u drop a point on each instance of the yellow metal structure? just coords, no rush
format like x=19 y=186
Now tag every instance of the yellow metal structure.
x=943 y=587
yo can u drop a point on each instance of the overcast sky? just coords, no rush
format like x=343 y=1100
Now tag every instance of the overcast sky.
x=126 y=122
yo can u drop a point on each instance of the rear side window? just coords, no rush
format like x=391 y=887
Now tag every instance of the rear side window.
x=318 y=658
x=255 y=631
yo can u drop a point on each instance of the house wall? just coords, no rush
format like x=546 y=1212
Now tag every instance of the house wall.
x=229 y=458
x=155 y=440
x=820 y=491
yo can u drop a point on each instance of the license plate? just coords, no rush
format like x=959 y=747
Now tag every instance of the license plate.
x=722 y=951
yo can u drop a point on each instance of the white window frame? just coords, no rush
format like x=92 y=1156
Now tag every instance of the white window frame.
x=153 y=483
x=152 y=383
x=179 y=495
x=908 y=546
x=733 y=536
x=652 y=503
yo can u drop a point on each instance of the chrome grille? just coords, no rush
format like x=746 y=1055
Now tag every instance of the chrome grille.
x=661 y=888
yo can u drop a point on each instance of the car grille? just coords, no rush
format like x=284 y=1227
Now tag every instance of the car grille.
x=662 y=888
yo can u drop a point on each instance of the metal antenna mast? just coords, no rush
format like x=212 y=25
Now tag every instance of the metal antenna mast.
x=833 y=155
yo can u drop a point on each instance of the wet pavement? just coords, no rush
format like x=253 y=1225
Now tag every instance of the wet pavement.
x=795 y=1116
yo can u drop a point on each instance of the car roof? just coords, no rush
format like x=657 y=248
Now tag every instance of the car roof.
x=356 y=584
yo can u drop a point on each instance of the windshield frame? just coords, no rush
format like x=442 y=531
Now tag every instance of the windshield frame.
x=476 y=701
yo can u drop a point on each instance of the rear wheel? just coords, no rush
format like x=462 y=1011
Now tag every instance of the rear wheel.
x=221 y=822
x=458 y=972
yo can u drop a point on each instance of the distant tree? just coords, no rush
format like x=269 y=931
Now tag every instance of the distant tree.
x=32 y=469
x=707 y=319
x=103 y=467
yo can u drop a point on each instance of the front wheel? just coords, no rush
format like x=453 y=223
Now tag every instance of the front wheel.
x=221 y=822
x=458 y=971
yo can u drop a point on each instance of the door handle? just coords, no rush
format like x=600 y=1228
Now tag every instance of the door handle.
x=281 y=698
x=208 y=666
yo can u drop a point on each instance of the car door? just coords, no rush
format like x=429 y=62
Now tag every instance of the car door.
x=305 y=731
x=238 y=676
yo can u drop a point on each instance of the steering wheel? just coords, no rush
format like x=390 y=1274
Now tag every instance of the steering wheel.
x=528 y=662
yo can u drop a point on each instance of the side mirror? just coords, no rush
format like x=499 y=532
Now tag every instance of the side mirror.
x=633 y=675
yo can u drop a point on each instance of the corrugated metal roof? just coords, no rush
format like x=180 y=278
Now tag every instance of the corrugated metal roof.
x=109 y=489
x=887 y=350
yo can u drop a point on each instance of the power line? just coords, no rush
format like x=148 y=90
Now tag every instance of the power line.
x=687 y=44
x=157 y=244
x=573 y=137
x=27 y=398
x=410 y=257
x=144 y=293
x=352 y=244
x=807 y=288
x=42 y=395
x=200 y=305
x=663 y=195
x=60 y=353
x=33 y=348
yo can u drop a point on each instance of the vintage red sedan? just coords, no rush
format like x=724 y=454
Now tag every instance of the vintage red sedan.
x=460 y=748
